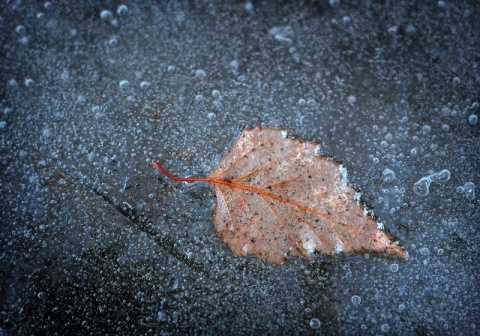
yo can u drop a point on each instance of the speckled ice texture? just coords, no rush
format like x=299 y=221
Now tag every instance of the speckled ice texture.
x=94 y=241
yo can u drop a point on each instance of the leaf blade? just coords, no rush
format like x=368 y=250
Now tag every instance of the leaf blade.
x=297 y=201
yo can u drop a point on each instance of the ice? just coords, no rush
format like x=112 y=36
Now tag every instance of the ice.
x=390 y=93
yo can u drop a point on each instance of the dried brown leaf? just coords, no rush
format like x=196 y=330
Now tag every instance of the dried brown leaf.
x=274 y=196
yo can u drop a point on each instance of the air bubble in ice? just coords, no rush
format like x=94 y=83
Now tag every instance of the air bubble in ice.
x=424 y=251
x=334 y=3
x=441 y=176
x=144 y=84
x=161 y=316
x=468 y=190
x=122 y=9
x=124 y=83
x=356 y=300
x=426 y=129
x=200 y=73
x=106 y=14
x=388 y=175
x=212 y=116
x=216 y=94
x=394 y=267
x=315 y=323
x=28 y=82
x=301 y=102
x=392 y=30
x=20 y=29
x=383 y=144
x=385 y=327
x=351 y=99
x=171 y=68
x=421 y=187
x=473 y=119
x=249 y=6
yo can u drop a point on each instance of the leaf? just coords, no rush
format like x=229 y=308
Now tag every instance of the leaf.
x=276 y=196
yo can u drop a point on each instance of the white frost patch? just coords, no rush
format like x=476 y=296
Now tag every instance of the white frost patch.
x=380 y=226
x=338 y=248
x=344 y=173
x=309 y=245
x=282 y=34
x=245 y=248
x=284 y=133
x=368 y=212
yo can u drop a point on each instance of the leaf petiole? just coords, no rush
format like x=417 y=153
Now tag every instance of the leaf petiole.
x=177 y=178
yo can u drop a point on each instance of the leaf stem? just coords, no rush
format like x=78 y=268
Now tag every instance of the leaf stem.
x=177 y=178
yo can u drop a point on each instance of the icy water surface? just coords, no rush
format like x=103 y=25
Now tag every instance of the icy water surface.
x=94 y=241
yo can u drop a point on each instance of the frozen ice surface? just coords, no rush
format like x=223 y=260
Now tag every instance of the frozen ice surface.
x=94 y=241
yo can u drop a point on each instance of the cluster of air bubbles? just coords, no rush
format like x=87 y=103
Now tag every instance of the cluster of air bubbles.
x=422 y=186
x=315 y=323
x=107 y=15
x=468 y=189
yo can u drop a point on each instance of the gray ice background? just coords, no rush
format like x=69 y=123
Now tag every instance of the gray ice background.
x=94 y=241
